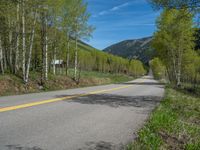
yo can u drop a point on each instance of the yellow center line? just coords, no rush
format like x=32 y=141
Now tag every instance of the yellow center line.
x=10 y=108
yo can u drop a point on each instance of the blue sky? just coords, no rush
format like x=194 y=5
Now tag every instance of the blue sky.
x=118 y=20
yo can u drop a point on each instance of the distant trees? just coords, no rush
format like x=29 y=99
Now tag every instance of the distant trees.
x=158 y=68
x=103 y=62
x=136 y=68
x=35 y=34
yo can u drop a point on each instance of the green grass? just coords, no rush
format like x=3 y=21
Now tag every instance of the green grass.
x=114 y=78
x=175 y=124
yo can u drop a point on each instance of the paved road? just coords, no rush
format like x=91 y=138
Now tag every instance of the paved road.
x=97 y=118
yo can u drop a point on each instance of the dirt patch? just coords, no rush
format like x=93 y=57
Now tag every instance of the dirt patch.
x=174 y=142
x=194 y=120
x=60 y=82
x=13 y=85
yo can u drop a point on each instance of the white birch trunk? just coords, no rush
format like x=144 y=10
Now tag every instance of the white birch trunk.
x=67 y=61
x=30 y=49
x=179 y=64
x=1 y=57
x=17 y=41
x=10 y=44
x=46 y=50
x=23 y=42
x=54 y=61
x=54 y=54
x=76 y=60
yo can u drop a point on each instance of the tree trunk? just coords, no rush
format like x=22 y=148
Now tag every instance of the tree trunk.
x=4 y=59
x=67 y=61
x=10 y=44
x=173 y=70
x=46 y=51
x=60 y=65
x=17 y=42
x=23 y=42
x=44 y=45
x=54 y=53
x=76 y=60
x=178 y=84
x=179 y=64
x=54 y=60
x=79 y=74
x=30 y=49
x=1 y=57
x=36 y=59
x=46 y=57
x=178 y=79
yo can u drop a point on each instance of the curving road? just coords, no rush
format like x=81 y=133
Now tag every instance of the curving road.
x=93 y=118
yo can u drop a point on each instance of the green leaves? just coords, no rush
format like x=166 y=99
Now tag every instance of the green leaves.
x=174 y=39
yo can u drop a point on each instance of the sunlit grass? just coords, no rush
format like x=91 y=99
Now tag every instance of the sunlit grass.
x=114 y=78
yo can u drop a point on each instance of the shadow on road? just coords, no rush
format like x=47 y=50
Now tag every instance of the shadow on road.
x=102 y=146
x=117 y=100
x=18 y=147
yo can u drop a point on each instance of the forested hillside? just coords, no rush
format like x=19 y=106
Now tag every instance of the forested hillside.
x=44 y=38
x=139 y=49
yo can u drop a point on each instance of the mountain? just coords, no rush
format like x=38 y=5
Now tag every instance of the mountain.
x=138 y=49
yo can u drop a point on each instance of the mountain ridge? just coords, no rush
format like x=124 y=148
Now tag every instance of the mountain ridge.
x=133 y=49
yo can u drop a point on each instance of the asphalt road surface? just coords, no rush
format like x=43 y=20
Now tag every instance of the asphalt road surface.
x=93 y=118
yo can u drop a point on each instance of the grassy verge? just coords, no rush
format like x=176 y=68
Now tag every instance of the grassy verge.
x=175 y=124
x=114 y=78
x=12 y=85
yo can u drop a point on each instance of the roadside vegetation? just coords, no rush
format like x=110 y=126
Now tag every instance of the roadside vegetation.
x=175 y=45
x=40 y=43
x=175 y=123
x=12 y=85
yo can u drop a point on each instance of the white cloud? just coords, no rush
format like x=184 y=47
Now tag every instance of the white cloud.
x=115 y=8
x=119 y=7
